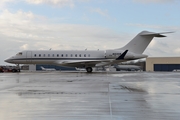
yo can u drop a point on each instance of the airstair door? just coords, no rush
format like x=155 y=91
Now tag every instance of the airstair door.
x=28 y=57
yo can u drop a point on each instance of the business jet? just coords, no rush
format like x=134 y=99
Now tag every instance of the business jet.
x=80 y=69
x=88 y=58
x=127 y=67
x=48 y=69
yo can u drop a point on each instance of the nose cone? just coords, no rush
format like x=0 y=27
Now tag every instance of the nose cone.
x=8 y=60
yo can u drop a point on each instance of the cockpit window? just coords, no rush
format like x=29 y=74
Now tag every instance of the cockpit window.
x=20 y=53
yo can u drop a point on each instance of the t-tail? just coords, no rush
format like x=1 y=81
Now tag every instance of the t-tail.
x=139 y=43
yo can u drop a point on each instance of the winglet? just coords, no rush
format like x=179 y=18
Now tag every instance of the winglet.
x=122 y=55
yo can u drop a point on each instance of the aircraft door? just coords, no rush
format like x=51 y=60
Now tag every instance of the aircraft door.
x=28 y=57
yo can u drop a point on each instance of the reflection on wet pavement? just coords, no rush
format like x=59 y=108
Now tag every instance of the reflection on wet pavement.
x=71 y=95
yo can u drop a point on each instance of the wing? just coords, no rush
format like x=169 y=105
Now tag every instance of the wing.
x=78 y=63
x=92 y=63
x=113 y=61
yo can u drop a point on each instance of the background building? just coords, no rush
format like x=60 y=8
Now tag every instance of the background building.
x=162 y=63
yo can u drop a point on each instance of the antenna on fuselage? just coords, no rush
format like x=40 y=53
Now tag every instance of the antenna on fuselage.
x=50 y=48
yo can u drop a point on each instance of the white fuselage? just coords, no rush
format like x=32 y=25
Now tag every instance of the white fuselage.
x=52 y=56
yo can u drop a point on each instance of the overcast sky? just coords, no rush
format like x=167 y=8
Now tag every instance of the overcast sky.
x=91 y=24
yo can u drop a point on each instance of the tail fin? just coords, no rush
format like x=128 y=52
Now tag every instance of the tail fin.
x=139 y=43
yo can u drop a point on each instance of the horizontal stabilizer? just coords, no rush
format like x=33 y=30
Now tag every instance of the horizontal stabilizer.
x=146 y=33
x=122 y=55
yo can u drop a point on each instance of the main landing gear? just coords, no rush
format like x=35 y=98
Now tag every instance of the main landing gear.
x=89 y=69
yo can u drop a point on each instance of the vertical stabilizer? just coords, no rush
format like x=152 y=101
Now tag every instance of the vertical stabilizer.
x=139 y=43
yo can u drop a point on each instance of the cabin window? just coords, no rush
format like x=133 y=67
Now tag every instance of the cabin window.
x=61 y=55
x=34 y=55
x=75 y=55
x=48 y=55
x=84 y=55
x=53 y=55
x=44 y=55
x=89 y=55
x=39 y=55
x=79 y=55
x=57 y=55
x=66 y=55
x=20 y=53
x=71 y=55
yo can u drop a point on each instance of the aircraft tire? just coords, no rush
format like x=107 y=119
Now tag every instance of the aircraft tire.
x=89 y=69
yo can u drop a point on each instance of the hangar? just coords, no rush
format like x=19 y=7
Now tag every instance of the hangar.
x=163 y=64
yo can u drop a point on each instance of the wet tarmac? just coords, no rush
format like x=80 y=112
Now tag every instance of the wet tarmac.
x=96 y=96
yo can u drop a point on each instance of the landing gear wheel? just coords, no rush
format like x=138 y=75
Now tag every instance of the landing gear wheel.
x=89 y=69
